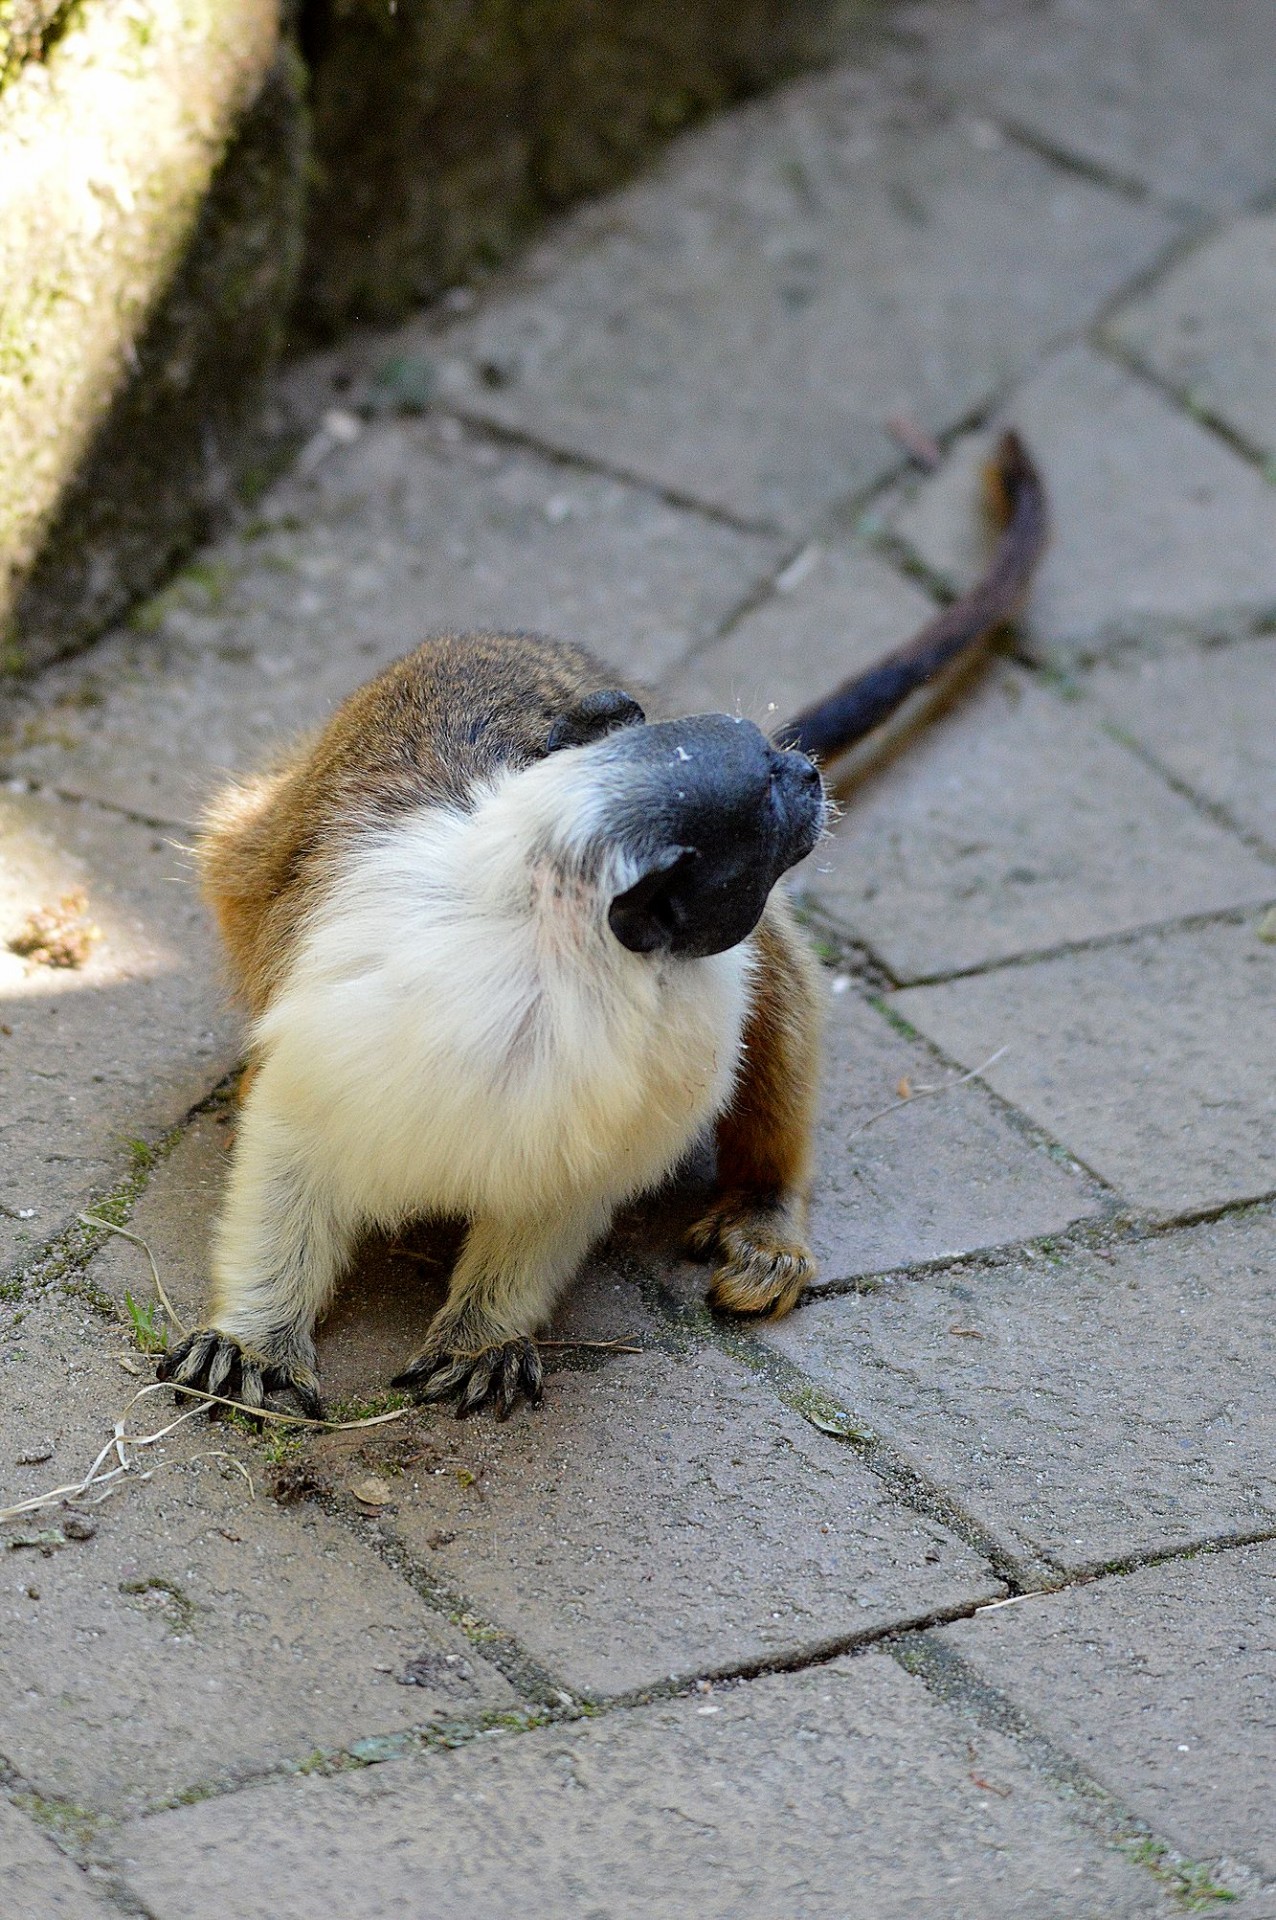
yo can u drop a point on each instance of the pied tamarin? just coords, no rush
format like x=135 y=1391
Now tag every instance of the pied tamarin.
x=510 y=949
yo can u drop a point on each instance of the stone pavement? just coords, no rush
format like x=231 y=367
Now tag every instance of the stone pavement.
x=955 y=1593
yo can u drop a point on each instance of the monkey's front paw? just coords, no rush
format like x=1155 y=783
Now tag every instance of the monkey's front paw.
x=216 y=1362
x=495 y=1377
x=759 y=1266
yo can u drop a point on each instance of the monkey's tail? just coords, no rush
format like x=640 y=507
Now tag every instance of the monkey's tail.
x=1017 y=499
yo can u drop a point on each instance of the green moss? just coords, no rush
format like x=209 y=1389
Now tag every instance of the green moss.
x=155 y=1593
x=73 y=1825
x=1187 y=1880
x=279 y=1444
x=80 y=1287
x=903 y=1027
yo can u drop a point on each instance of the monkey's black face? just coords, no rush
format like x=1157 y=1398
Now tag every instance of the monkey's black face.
x=713 y=814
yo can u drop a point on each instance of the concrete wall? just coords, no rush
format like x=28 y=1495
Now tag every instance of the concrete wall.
x=151 y=179
x=183 y=181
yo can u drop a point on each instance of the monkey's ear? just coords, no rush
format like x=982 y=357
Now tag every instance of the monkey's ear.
x=643 y=918
x=597 y=714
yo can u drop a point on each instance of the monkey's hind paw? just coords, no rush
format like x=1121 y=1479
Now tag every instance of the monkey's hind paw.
x=759 y=1266
x=216 y=1362
x=495 y=1377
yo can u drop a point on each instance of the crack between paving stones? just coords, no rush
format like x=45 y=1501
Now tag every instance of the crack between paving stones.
x=1109 y=1198
x=449 y=1735
x=907 y=1485
x=1017 y=133
x=1233 y=1540
x=1211 y=810
x=75 y=1832
x=1126 y=936
x=907 y=1641
x=1099 y=1236
x=1128 y=358
x=530 y=442
x=65 y=1255
x=1097 y=173
x=951 y=1679
x=157 y=823
x=838 y=523
x=899 y=1639
x=1079 y=687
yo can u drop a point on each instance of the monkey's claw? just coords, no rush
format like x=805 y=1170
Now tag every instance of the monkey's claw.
x=216 y=1362
x=495 y=1377
x=760 y=1267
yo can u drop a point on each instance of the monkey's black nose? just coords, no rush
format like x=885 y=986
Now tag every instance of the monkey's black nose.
x=797 y=795
x=794 y=769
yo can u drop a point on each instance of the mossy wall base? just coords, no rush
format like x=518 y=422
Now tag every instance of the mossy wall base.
x=444 y=129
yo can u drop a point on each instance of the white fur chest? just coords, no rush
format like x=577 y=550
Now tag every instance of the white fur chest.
x=460 y=1032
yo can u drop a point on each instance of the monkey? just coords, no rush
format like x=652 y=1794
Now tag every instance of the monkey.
x=510 y=949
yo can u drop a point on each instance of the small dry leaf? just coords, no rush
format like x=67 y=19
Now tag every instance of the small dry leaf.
x=57 y=936
x=372 y=1492
x=904 y=1087
x=1267 y=927
x=990 y=1786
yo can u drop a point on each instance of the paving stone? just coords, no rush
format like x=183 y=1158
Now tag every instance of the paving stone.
x=740 y=326
x=838 y=612
x=1206 y=328
x=1163 y=1685
x=665 y=1516
x=1084 y=1407
x=933 y=1178
x=1013 y=824
x=1150 y=1060
x=203 y=1633
x=119 y=1047
x=1210 y=718
x=769 y=1798
x=661 y=1514
x=36 y=1881
x=414 y=528
x=1158 y=528
x=1166 y=92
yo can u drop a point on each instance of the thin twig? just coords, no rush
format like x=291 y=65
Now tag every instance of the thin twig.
x=597 y=1346
x=281 y=1419
x=921 y=1093
x=109 y=1226
x=120 y=1439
